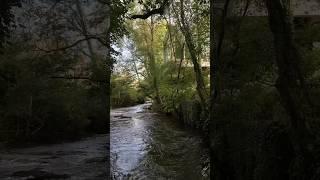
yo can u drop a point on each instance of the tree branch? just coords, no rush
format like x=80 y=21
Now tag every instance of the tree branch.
x=71 y=45
x=146 y=15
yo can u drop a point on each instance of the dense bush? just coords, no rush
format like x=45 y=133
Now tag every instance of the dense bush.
x=36 y=106
x=249 y=112
x=175 y=90
x=125 y=91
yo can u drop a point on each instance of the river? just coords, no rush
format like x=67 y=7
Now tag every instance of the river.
x=148 y=145
x=84 y=159
x=144 y=145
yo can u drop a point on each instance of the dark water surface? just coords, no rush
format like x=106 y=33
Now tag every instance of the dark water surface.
x=144 y=145
x=147 y=145
x=84 y=159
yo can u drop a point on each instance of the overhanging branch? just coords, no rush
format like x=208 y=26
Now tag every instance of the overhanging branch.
x=146 y=15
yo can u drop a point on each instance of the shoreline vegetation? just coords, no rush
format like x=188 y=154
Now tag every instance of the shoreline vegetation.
x=38 y=108
x=250 y=83
x=53 y=73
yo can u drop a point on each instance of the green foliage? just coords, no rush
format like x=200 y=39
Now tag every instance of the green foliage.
x=117 y=18
x=124 y=92
x=159 y=45
x=174 y=91
x=249 y=111
x=36 y=106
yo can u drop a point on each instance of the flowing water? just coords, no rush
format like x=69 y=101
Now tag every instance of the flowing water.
x=147 y=145
x=84 y=159
x=144 y=145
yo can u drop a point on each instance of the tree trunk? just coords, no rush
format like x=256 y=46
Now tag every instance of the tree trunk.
x=291 y=84
x=201 y=88
x=109 y=67
x=220 y=167
x=154 y=72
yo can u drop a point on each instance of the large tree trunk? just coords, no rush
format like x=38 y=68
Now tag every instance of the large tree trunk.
x=220 y=167
x=154 y=71
x=291 y=85
x=109 y=67
x=201 y=88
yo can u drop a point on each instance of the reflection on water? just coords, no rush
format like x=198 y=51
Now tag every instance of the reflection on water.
x=146 y=145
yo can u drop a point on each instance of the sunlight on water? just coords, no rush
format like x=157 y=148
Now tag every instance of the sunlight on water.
x=146 y=145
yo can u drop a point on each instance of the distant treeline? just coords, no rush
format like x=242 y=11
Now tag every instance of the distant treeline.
x=124 y=92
